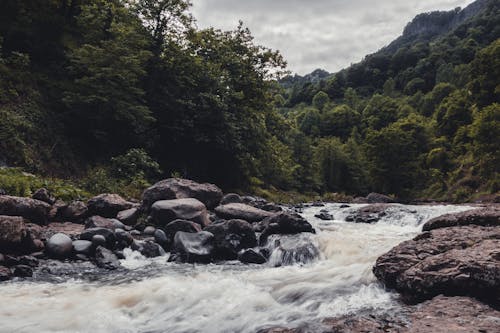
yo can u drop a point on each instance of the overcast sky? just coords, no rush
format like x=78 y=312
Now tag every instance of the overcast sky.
x=327 y=34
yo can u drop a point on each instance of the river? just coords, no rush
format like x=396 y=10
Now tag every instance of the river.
x=308 y=277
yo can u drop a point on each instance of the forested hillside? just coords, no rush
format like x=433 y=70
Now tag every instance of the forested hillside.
x=114 y=91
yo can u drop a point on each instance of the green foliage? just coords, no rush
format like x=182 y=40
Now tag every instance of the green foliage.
x=320 y=100
x=134 y=164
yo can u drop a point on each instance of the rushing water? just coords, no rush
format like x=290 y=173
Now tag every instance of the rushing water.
x=308 y=277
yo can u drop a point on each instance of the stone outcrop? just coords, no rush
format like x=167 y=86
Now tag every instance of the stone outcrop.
x=166 y=211
x=230 y=237
x=35 y=211
x=177 y=188
x=107 y=205
x=241 y=211
x=489 y=216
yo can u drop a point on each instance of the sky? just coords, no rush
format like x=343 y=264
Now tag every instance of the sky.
x=310 y=34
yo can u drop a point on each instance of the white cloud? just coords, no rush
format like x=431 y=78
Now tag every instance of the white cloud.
x=328 y=34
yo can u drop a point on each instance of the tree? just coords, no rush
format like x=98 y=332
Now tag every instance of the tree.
x=320 y=100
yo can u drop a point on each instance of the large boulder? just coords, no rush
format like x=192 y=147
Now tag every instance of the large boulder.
x=108 y=235
x=166 y=211
x=193 y=247
x=83 y=247
x=14 y=235
x=368 y=214
x=128 y=216
x=34 y=210
x=5 y=273
x=378 y=198
x=177 y=188
x=105 y=258
x=75 y=211
x=59 y=246
x=231 y=198
x=180 y=225
x=242 y=212
x=285 y=224
x=107 y=205
x=250 y=256
x=68 y=228
x=489 y=216
x=99 y=222
x=231 y=237
x=450 y=261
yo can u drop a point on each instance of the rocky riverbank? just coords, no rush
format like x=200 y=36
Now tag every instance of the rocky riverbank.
x=193 y=222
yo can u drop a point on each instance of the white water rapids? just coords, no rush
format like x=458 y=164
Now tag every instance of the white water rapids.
x=150 y=295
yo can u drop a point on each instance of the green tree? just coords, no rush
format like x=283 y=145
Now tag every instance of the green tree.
x=320 y=100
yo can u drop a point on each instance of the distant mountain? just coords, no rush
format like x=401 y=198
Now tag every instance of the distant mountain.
x=313 y=77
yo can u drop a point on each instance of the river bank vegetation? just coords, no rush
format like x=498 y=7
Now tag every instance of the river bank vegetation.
x=114 y=95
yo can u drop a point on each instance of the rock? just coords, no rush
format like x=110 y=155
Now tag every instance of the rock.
x=2 y=258
x=344 y=206
x=231 y=198
x=34 y=210
x=55 y=213
x=166 y=211
x=104 y=258
x=271 y=207
x=194 y=247
x=128 y=216
x=162 y=239
x=107 y=205
x=135 y=233
x=230 y=237
x=368 y=214
x=98 y=240
x=176 y=188
x=242 y=212
x=285 y=224
x=149 y=230
x=2 y=191
x=83 y=247
x=23 y=271
x=123 y=238
x=378 y=198
x=489 y=216
x=44 y=195
x=76 y=211
x=108 y=235
x=180 y=225
x=250 y=256
x=14 y=235
x=451 y=261
x=99 y=222
x=324 y=216
x=150 y=249
x=68 y=228
x=59 y=246
x=359 y=200
x=5 y=273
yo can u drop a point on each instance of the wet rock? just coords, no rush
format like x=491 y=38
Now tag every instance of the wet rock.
x=128 y=216
x=2 y=258
x=166 y=211
x=242 y=212
x=34 y=210
x=108 y=235
x=105 y=258
x=149 y=231
x=99 y=222
x=250 y=256
x=230 y=237
x=489 y=216
x=344 y=206
x=378 y=198
x=76 y=211
x=44 y=195
x=180 y=225
x=451 y=261
x=59 y=246
x=22 y=271
x=98 y=240
x=14 y=235
x=5 y=273
x=107 y=205
x=293 y=251
x=176 y=188
x=324 y=216
x=28 y=261
x=135 y=233
x=368 y=214
x=271 y=207
x=150 y=249
x=83 y=247
x=285 y=224
x=162 y=239
x=193 y=247
x=231 y=198
x=123 y=238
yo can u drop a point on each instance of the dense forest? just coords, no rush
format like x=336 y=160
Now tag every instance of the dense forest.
x=117 y=93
